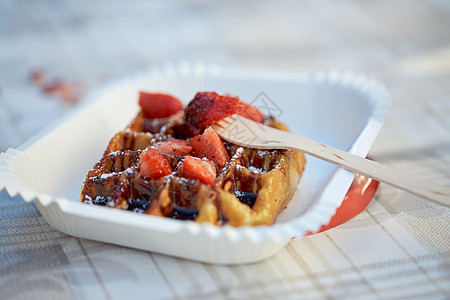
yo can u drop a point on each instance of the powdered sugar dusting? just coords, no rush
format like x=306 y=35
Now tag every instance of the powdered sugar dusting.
x=278 y=165
x=255 y=170
x=238 y=153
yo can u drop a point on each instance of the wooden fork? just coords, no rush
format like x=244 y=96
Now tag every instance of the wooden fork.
x=244 y=132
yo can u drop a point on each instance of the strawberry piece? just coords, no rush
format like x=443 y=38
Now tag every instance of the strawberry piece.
x=252 y=113
x=210 y=145
x=209 y=107
x=174 y=147
x=154 y=165
x=203 y=170
x=158 y=105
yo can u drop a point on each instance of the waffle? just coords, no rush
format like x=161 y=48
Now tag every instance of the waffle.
x=252 y=188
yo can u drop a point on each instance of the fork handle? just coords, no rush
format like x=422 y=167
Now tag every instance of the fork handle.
x=437 y=193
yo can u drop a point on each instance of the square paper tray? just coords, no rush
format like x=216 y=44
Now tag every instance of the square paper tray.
x=339 y=109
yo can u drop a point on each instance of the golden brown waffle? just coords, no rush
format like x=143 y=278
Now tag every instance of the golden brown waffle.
x=251 y=189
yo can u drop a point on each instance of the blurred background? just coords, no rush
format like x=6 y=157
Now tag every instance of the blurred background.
x=53 y=52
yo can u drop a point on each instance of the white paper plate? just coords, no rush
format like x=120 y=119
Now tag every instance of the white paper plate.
x=340 y=109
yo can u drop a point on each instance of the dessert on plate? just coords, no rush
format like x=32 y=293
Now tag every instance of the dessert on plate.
x=169 y=162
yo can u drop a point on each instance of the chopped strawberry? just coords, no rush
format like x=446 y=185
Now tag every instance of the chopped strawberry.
x=174 y=147
x=209 y=107
x=158 y=105
x=154 y=165
x=203 y=170
x=252 y=113
x=210 y=145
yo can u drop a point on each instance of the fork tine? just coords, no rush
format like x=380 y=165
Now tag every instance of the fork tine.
x=228 y=120
x=234 y=130
x=224 y=123
x=219 y=124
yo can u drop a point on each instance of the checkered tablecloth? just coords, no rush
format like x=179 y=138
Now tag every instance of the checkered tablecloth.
x=54 y=52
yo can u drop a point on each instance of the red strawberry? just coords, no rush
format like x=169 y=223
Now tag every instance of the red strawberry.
x=157 y=105
x=203 y=170
x=174 y=147
x=210 y=145
x=209 y=107
x=252 y=113
x=154 y=165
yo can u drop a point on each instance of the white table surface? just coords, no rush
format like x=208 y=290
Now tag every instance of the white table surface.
x=399 y=247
